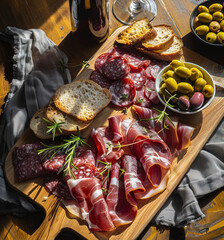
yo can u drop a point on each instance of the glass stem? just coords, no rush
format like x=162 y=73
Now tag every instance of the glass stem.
x=135 y=6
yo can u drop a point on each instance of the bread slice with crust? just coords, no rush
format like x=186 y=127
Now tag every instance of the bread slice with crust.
x=163 y=39
x=83 y=99
x=174 y=51
x=69 y=123
x=39 y=126
x=136 y=32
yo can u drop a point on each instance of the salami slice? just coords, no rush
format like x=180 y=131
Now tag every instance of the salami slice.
x=97 y=77
x=102 y=59
x=154 y=68
x=57 y=186
x=54 y=164
x=150 y=92
x=138 y=78
x=140 y=99
x=122 y=92
x=115 y=68
x=27 y=163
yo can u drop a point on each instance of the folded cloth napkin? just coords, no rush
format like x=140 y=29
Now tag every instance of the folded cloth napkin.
x=36 y=76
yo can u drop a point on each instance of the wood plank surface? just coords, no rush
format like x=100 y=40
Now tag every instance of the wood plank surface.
x=34 y=189
x=54 y=18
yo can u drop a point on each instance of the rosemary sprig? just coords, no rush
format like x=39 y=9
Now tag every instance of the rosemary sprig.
x=53 y=127
x=106 y=168
x=69 y=147
x=83 y=64
x=122 y=171
x=150 y=89
x=139 y=100
x=162 y=114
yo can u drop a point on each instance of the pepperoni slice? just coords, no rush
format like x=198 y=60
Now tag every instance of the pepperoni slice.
x=102 y=59
x=150 y=91
x=115 y=68
x=138 y=78
x=97 y=77
x=122 y=92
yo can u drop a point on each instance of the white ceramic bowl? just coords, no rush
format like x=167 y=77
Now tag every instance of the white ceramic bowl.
x=206 y=76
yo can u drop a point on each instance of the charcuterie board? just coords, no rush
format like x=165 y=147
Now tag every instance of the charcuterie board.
x=58 y=218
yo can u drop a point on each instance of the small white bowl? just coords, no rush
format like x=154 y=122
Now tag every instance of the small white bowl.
x=206 y=76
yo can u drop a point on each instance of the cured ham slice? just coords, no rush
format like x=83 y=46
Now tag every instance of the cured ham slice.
x=120 y=210
x=132 y=182
x=152 y=152
x=169 y=135
x=184 y=133
x=89 y=195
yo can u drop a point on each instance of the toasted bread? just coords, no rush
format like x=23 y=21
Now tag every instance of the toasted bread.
x=174 y=51
x=136 y=32
x=163 y=39
x=83 y=99
x=69 y=123
x=39 y=126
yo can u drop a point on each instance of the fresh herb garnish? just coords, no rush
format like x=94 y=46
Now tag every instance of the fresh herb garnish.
x=53 y=127
x=124 y=111
x=150 y=89
x=162 y=114
x=69 y=148
x=123 y=97
x=122 y=171
x=139 y=100
x=83 y=64
x=106 y=168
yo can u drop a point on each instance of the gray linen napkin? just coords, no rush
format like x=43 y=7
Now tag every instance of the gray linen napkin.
x=36 y=76
x=205 y=175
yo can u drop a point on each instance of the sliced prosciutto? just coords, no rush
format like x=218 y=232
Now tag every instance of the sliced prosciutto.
x=184 y=133
x=152 y=152
x=89 y=195
x=132 y=182
x=120 y=210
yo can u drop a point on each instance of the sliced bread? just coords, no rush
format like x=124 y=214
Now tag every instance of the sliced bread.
x=83 y=99
x=136 y=32
x=174 y=51
x=69 y=123
x=39 y=126
x=163 y=38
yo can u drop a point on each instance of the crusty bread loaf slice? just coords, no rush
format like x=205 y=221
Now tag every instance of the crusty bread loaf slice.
x=174 y=51
x=136 y=32
x=39 y=126
x=83 y=99
x=163 y=38
x=69 y=123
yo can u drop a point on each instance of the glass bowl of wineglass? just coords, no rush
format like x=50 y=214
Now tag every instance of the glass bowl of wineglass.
x=128 y=11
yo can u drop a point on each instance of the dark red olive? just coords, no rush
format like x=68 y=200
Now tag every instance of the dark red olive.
x=183 y=103
x=196 y=100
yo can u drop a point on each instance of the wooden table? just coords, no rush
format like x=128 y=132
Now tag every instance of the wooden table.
x=54 y=18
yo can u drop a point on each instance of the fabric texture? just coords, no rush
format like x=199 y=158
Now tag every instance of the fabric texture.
x=36 y=76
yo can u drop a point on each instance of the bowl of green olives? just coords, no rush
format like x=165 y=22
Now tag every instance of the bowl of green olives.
x=185 y=87
x=207 y=22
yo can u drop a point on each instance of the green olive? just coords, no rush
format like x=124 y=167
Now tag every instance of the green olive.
x=202 y=30
x=184 y=88
x=183 y=72
x=208 y=91
x=171 y=73
x=199 y=84
x=196 y=23
x=171 y=84
x=202 y=8
x=215 y=7
x=205 y=17
x=176 y=63
x=211 y=37
x=163 y=91
x=220 y=37
x=217 y=16
x=195 y=74
x=222 y=25
x=214 y=26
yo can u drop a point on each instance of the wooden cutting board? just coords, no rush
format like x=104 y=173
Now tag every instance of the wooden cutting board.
x=58 y=218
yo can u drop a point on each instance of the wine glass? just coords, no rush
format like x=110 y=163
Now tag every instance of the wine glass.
x=127 y=11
